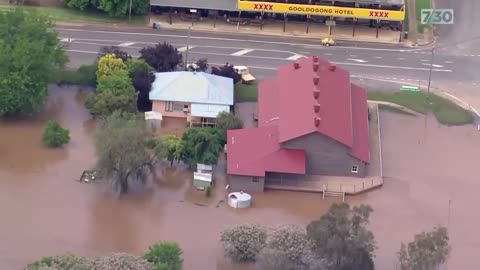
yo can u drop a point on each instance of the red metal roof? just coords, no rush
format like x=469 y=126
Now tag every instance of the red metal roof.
x=254 y=151
x=309 y=95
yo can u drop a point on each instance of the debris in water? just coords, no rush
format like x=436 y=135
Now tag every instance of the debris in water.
x=88 y=176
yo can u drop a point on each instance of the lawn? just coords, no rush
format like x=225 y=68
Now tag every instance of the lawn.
x=394 y=109
x=419 y=5
x=67 y=14
x=446 y=111
x=245 y=92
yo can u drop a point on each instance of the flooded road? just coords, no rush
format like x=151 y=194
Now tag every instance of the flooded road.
x=45 y=210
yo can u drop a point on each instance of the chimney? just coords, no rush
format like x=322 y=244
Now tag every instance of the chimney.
x=333 y=67
x=316 y=93
x=316 y=65
x=317 y=121
x=316 y=107
x=316 y=79
x=315 y=59
x=296 y=65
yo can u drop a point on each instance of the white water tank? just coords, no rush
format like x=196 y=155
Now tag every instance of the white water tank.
x=239 y=199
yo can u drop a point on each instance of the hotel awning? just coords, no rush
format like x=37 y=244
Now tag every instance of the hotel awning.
x=208 y=110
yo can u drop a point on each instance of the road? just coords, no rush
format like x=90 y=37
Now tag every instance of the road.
x=264 y=54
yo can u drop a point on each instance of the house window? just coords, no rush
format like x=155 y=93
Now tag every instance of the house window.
x=168 y=106
x=178 y=107
x=255 y=179
x=355 y=169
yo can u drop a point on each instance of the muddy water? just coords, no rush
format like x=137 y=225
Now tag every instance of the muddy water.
x=45 y=211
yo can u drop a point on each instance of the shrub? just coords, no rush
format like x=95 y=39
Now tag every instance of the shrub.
x=61 y=262
x=54 y=135
x=165 y=256
x=136 y=65
x=273 y=259
x=85 y=75
x=121 y=261
x=109 y=63
x=208 y=191
x=243 y=242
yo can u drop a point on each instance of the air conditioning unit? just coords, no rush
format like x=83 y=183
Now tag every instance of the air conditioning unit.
x=185 y=110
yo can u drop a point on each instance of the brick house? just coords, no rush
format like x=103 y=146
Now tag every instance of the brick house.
x=311 y=121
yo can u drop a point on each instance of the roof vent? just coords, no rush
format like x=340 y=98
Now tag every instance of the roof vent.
x=315 y=59
x=316 y=93
x=296 y=65
x=316 y=79
x=316 y=107
x=333 y=67
x=317 y=121
x=316 y=65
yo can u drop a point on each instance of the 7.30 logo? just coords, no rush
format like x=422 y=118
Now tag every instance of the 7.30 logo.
x=437 y=16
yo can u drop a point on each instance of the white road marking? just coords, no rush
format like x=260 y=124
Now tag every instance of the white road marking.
x=353 y=55
x=69 y=40
x=253 y=40
x=400 y=58
x=283 y=59
x=182 y=49
x=126 y=44
x=448 y=62
x=424 y=60
x=357 y=60
x=378 y=57
x=433 y=65
x=327 y=54
x=295 y=57
x=242 y=52
x=305 y=52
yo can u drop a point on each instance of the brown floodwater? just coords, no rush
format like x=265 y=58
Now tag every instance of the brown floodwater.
x=45 y=210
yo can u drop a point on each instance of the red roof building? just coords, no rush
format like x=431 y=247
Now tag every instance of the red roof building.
x=311 y=120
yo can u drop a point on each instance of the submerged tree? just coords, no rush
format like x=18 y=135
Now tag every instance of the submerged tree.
x=169 y=147
x=244 y=242
x=165 y=256
x=428 y=251
x=54 y=135
x=201 y=145
x=342 y=239
x=29 y=51
x=121 y=261
x=120 y=148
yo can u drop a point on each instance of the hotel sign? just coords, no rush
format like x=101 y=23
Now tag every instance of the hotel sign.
x=361 y=13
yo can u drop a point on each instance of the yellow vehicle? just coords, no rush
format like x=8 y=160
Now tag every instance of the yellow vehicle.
x=328 y=42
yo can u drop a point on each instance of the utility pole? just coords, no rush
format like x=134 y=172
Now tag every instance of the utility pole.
x=449 y=206
x=188 y=46
x=130 y=12
x=431 y=70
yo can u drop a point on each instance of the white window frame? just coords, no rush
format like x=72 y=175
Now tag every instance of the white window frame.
x=169 y=106
x=355 y=169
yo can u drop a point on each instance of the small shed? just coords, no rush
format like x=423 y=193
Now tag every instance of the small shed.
x=154 y=120
x=202 y=180
x=202 y=168
x=239 y=200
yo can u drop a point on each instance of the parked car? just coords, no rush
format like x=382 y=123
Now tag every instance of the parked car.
x=244 y=73
x=328 y=42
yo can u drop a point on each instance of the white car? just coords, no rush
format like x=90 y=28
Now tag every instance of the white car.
x=244 y=73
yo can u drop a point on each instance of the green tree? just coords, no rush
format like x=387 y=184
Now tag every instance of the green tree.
x=136 y=65
x=169 y=147
x=107 y=64
x=163 y=57
x=428 y=251
x=288 y=246
x=121 y=152
x=112 y=8
x=201 y=145
x=226 y=121
x=61 y=262
x=342 y=239
x=243 y=242
x=165 y=256
x=54 y=135
x=121 y=261
x=29 y=52
x=114 y=92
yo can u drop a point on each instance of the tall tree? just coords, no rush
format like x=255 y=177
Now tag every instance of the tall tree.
x=228 y=71
x=342 y=239
x=163 y=57
x=226 y=121
x=169 y=147
x=120 y=148
x=29 y=51
x=201 y=145
x=428 y=251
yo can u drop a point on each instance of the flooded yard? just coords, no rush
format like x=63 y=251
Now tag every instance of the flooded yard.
x=46 y=211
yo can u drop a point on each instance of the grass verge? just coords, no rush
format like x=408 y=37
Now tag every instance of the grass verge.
x=394 y=109
x=406 y=21
x=85 y=76
x=446 y=111
x=245 y=92
x=419 y=5
x=67 y=14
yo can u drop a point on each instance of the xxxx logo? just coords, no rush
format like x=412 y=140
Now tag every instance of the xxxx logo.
x=263 y=6
x=379 y=14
